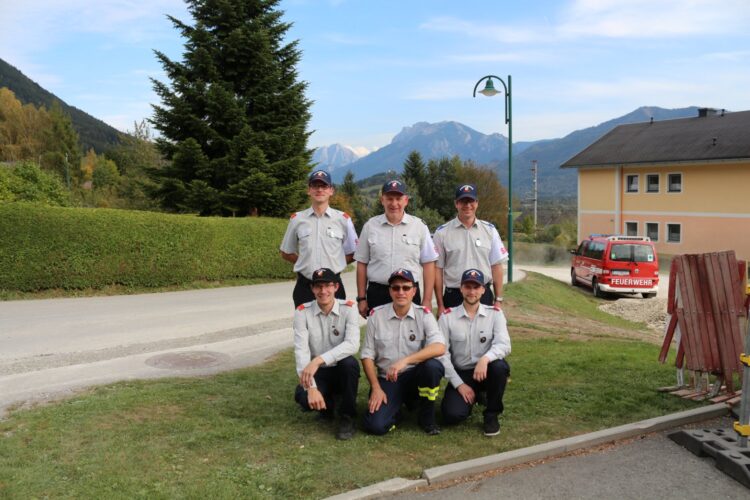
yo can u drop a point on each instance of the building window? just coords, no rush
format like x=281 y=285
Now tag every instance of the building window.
x=675 y=183
x=674 y=233
x=652 y=183
x=632 y=183
x=652 y=231
x=631 y=229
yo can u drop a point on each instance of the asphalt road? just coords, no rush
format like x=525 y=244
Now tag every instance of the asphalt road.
x=54 y=347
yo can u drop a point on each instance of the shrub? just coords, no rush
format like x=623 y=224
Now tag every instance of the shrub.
x=53 y=247
x=26 y=181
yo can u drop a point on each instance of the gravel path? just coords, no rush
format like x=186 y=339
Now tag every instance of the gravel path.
x=653 y=312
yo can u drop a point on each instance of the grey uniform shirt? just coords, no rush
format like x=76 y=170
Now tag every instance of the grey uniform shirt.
x=467 y=340
x=385 y=247
x=478 y=247
x=319 y=241
x=333 y=337
x=389 y=338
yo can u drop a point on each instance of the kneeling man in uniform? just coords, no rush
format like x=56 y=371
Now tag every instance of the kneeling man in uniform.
x=399 y=357
x=326 y=337
x=477 y=341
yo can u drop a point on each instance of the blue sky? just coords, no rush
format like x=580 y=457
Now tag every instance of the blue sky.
x=374 y=67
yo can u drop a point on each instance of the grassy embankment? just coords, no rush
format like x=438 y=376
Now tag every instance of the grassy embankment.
x=239 y=434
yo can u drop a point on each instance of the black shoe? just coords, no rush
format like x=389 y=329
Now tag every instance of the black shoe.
x=491 y=426
x=431 y=429
x=346 y=428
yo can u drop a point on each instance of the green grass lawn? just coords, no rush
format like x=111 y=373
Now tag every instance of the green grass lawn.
x=240 y=434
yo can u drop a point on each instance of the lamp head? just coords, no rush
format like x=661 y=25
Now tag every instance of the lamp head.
x=489 y=89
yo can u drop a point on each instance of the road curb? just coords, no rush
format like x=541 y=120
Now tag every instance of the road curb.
x=553 y=448
x=395 y=485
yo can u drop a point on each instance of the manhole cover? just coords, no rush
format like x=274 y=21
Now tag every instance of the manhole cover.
x=188 y=360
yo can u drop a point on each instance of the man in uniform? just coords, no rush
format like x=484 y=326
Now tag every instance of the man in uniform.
x=326 y=337
x=477 y=342
x=466 y=242
x=399 y=358
x=391 y=241
x=320 y=236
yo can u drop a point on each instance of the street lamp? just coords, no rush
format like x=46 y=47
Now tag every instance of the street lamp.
x=490 y=90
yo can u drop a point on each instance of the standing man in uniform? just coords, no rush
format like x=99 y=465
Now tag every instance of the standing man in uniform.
x=399 y=358
x=320 y=236
x=477 y=341
x=326 y=337
x=391 y=241
x=467 y=242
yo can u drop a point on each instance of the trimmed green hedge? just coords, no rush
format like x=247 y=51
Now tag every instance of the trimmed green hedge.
x=72 y=248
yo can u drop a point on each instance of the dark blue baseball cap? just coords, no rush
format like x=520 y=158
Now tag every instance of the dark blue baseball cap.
x=474 y=275
x=403 y=274
x=394 y=186
x=466 y=191
x=324 y=275
x=320 y=175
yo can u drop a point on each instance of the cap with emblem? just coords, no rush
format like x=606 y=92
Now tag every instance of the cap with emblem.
x=466 y=191
x=403 y=274
x=324 y=275
x=394 y=186
x=320 y=175
x=474 y=275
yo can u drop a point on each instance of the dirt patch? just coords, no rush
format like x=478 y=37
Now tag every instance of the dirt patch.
x=652 y=312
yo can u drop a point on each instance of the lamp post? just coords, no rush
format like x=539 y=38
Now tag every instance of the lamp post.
x=489 y=90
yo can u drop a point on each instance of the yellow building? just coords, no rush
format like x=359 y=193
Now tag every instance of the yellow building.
x=684 y=183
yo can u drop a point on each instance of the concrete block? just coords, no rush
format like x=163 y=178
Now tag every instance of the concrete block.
x=395 y=485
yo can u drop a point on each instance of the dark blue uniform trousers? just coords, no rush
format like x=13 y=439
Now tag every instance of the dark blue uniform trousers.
x=332 y=381
x=422 y=382
x=456 y=410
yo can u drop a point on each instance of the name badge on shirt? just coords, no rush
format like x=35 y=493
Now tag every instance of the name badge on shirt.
x=479 y=242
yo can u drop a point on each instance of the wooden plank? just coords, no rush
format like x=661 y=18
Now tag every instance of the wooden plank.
x=711 y=363
x=693 y=349
x=686 y=342
x=718 y=303
x=724 y=397
x=669 y=388
x=683 y=392
x=708 y=329
x=671 y=299
x=734 y=342
x=668 y=335
x=679 y=360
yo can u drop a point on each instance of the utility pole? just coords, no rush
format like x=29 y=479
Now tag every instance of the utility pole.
x=534 y=171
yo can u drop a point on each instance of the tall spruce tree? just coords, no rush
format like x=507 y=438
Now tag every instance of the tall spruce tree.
x=233 y=119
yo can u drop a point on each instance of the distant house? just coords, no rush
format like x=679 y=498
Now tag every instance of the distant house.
x=684 y=183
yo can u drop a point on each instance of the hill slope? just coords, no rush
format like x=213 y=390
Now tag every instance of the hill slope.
x=93 y=132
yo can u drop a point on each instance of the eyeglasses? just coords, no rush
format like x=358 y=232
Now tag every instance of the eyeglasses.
x=399 y=288
x=319 y=186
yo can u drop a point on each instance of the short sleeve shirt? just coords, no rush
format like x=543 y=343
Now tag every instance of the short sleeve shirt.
x=462 y=248
x=467 y=339
x=389 y=338
x=332 y=336
x=319 y=241
x=385 y=247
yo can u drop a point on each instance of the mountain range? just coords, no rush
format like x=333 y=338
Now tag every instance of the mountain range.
x=334 y=157
x=449 y=138
x=92 y=132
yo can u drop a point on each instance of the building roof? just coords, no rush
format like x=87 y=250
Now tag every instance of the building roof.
x=719 y=136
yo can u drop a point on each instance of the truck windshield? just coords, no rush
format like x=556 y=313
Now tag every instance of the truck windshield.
x=630 y=252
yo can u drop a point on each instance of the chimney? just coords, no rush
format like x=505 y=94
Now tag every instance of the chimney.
x=704 y=112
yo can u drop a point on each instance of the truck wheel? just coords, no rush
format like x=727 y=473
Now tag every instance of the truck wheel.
x=573 y=280
x=648 y=295
x=597 y=291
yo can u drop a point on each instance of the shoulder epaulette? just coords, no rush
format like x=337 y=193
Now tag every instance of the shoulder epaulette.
x=301 y=307
x=486 y=223
x=293 y=215
x=441 y=227
x=447 y=310
x=496 y=307
x=427 y=310
x=349 y=303
x=346 y=215
x=372 y=311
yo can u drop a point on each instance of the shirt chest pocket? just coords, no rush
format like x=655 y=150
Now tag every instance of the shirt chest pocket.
x=458 y=337
x=482 y=245
x=333 y=239
x=304 y=236
x=413 y=338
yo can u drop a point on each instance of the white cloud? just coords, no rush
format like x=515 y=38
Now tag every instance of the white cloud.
x=653 y=19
